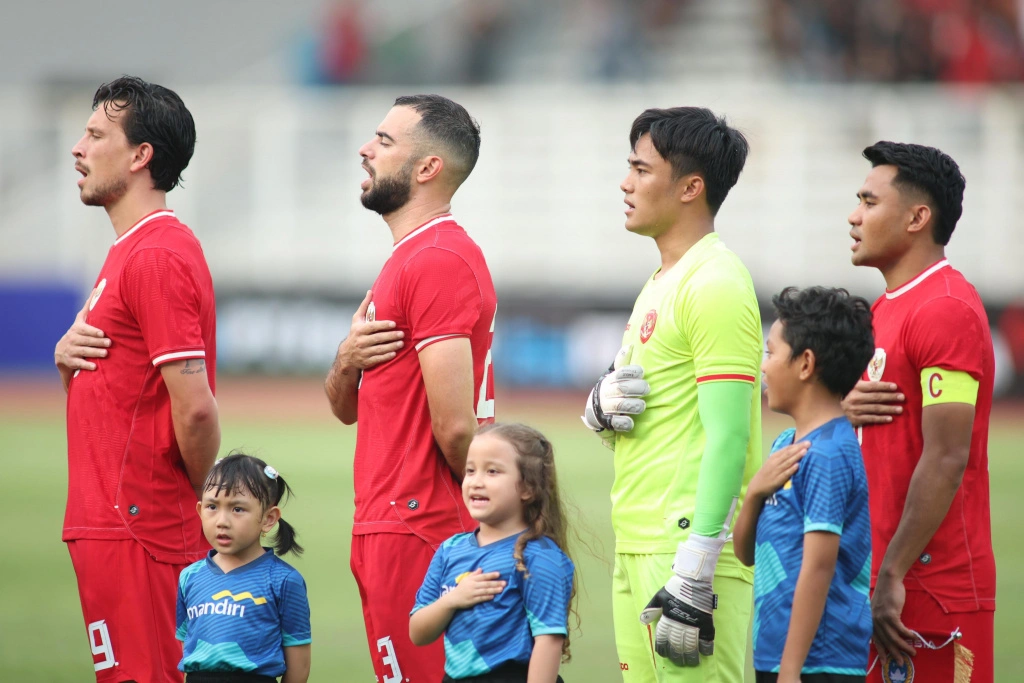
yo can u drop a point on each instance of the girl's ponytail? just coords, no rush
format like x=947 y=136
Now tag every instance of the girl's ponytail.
x=285 y=540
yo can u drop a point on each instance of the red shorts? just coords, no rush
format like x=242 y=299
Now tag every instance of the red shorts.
x=970 y=657
x=128 y=600
x=389 y=569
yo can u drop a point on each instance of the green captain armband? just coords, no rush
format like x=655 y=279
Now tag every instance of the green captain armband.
x=939 y=385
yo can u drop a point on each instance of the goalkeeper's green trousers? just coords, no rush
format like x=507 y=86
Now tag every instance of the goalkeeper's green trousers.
x=635 y=581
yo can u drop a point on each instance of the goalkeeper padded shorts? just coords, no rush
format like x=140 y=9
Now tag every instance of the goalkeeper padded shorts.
x=389 y=569
x=941 y=657
x=634 y=582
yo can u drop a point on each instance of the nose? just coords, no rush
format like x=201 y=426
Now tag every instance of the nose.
x=77 y=151
x=626 y=186
x=366 y=151
x=854 y=217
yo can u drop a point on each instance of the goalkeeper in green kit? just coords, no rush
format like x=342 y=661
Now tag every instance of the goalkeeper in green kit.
x=680 y=408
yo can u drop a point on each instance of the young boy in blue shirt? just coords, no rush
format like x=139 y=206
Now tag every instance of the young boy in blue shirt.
x=805 y=518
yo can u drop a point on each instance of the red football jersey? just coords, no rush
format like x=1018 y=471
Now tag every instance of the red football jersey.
x=126 y=479
x=435 y=286
x=935 y=320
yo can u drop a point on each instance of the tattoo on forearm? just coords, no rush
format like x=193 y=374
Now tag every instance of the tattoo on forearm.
x=194 y=367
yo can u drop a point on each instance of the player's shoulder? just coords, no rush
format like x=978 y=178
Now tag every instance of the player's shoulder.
x=835 y=439
x=283 y=571
x=719 y=271
x=784 y=439
x=544 y=550
x=449 y=246
x=459 y=540
x=191 y=572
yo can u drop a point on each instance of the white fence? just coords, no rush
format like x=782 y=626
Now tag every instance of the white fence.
x=273 y=189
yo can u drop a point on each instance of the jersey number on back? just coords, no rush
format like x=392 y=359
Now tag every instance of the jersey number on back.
x=484 y=405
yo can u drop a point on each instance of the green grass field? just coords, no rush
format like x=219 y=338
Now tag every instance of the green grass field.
x=42 y=637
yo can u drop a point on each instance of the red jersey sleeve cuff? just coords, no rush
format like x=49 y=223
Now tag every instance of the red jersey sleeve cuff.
x=420 y=345
x=178 y=355
x=727 y=377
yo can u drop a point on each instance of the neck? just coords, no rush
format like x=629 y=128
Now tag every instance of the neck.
x=816 y=407
x=912 y=264
x=415 y=213
x=677 y=240
x=489 y=534
x=240 y=559
x=129 y=209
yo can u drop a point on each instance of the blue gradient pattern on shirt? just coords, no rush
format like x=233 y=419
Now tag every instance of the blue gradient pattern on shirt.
x=241 y=620
x=492 y=633
x=829 y=492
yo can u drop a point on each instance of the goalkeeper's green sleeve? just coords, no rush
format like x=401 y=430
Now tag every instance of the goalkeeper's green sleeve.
x=725 y=414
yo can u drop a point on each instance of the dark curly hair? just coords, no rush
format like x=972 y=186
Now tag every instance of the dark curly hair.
x=929 y=171
x=695 y=140
x=834 y=325
x=154 y=114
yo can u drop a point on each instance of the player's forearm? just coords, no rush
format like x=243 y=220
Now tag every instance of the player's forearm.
x=812 y=585
x=297 y=664
x=932 y=488
x=453 y=436
x=724 y=409
x=197 y=430
x=545 y=659
x=744 y=536
x=342 y=387
x=428 y=623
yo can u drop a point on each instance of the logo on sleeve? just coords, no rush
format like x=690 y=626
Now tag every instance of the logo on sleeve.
x=647 y=328
x=96 y=295
x=877 y=365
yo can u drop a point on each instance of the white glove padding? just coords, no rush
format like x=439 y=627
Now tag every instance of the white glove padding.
x=686 y=629
x=616 y=397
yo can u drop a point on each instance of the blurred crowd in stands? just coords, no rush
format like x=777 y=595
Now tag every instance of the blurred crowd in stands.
x=476 y=41
x=973 y=41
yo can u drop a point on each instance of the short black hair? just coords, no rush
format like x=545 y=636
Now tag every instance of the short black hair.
x=695 y=140
x=834 y=325
x=154 y=114
x=927 y=170
x=447 y=124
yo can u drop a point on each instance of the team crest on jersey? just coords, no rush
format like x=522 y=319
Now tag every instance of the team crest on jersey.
x=877 y=365
x=96 y=295
x=893 y=672
x=371 y=313
x=647 y=329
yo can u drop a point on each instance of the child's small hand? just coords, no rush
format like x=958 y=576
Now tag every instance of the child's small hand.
x=475 y=588
x=777 y=470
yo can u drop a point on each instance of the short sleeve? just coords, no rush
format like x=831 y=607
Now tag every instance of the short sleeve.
x=946 y=333
x=293 y=609
x=824 y=484
x=159 y=289
x=181 y=615
x=430 y=591
x=440 y=296
x=547 y=591
x=722 y=322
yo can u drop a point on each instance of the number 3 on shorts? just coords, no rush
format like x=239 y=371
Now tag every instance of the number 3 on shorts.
x=99 y=641
x=484 y=405
x=389 y=660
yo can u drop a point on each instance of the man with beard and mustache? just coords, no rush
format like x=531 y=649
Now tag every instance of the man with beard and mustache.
x=138 y=367
x=415 y=371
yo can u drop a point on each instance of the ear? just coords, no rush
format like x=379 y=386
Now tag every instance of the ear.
x=808 y=364
x=429 y=168
x=199 y=507
x=143 y=155
x=920 y=218
x=690 y=187
x=270 y=518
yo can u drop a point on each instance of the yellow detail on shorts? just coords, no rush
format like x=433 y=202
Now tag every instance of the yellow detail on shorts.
x=939 y=385
x=240 y=596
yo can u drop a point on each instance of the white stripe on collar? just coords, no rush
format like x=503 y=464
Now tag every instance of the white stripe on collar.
x=147 y=219
x=422 y=228
x=917 y=280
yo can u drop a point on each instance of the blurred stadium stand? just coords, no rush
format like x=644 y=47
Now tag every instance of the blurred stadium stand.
x=273 y=189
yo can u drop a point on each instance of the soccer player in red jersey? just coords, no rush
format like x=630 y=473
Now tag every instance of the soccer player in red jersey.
x=138 y=368
x=923 y=414
x=415 y=371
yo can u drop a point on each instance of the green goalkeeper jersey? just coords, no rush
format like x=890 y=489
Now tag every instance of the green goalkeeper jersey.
x=698 y=322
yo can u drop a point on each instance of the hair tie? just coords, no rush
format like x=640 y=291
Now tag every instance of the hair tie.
x=270 y=472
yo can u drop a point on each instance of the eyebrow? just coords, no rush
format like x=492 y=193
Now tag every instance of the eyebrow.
x=636 y=162
x=866 y=194
x=382 y=134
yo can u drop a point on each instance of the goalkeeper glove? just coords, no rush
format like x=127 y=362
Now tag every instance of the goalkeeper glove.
x=686 y=629
x=616 y=396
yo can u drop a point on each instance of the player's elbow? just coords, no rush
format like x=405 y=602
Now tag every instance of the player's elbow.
x=952 y=462
x=197 y=413
x=418 y=634
x=454 y=433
